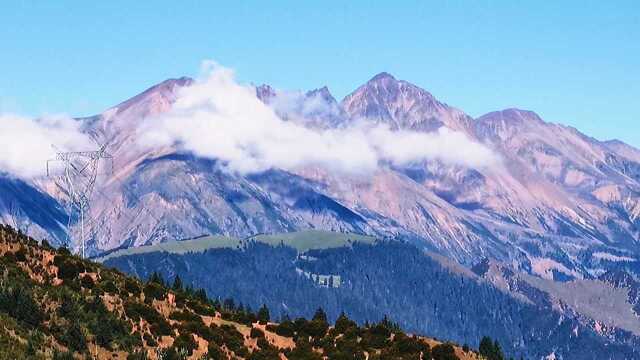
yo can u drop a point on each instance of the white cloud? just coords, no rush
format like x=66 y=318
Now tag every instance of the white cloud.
x=218 y=118
x=404 y=147
x=26 y=144
x=310 y=109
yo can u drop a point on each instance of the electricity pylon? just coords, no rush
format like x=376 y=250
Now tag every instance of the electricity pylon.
x=77 y=180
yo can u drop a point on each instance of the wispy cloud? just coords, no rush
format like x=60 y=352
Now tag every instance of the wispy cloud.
x=219 y=118
x=26 y=143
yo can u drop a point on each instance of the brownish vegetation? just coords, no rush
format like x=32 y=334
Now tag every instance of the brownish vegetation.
x=56 y=305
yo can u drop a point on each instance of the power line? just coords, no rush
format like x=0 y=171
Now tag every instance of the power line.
x=77 y=180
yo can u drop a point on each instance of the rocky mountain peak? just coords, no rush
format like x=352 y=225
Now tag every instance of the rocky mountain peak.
x=383 y=76
x=265 y=93
x=511 y=116
x=506 y=123
x=321 y=109
x=322 y=93
x=402 y=105
x=154 y=100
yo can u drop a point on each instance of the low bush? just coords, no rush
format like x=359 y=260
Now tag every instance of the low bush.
x=256 y=333
x=185 y=342
x=18 y=302
x=444 y=352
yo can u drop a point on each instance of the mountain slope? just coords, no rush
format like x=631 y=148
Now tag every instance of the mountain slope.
x=557 y=198
x=54 y=305
x=422 y=291
x=25 y=207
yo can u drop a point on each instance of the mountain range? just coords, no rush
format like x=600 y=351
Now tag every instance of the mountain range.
x=557 y=214
x=560 y=204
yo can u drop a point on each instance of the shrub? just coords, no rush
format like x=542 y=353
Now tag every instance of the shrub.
x=45 y=245
x=201 y=308
x=19 y=304
x=303 y=351
x=286 y=329
x=256 y=333
x=68 y=308
x=137 y=355
x=21 y=255
x=201 y=295
x=443 y=352
x=149 y=340
x=216 y=334
x=86 y=282
x=68 y=267
x=264 y=354
x=234 y=340
x=153 y=290
x=74 y=337
x=343 y=323
x=264 y=344
x=199 y=328
x=172 y=353
x=185 y=342
x=215 y=352
x=490 y=349
x=184 y=316
x=159 y=325
x=108 y=329
x=67 y=355
x=405 y=345
x=131 y=286
x=109 y=287
x=10 y=257
x=263 y=315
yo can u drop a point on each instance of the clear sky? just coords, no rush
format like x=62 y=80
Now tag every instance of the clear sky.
x=573 y=62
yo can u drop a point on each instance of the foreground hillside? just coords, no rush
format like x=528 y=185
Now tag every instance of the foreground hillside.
x=55 y=305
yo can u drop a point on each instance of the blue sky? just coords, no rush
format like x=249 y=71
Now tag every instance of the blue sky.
x=573 y=62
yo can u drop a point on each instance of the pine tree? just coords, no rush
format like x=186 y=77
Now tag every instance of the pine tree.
x=497 y=351
x=201 y=294
x=284 y=317
x=156 y=278
x=263 y=314
x=177 y=283
x=490 y=349
x=343 y=323
x=486 y=347
x=320 y=315
x=229 y=304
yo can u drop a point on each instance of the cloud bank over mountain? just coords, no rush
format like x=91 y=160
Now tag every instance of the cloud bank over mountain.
x=219 y=118
x=27 y=142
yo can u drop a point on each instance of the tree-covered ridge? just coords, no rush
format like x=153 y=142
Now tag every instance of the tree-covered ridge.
x=56 y=305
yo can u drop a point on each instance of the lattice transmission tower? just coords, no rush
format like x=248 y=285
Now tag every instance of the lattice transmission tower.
x=75 y=174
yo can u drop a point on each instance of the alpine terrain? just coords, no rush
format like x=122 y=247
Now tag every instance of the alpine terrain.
x=546 y=235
